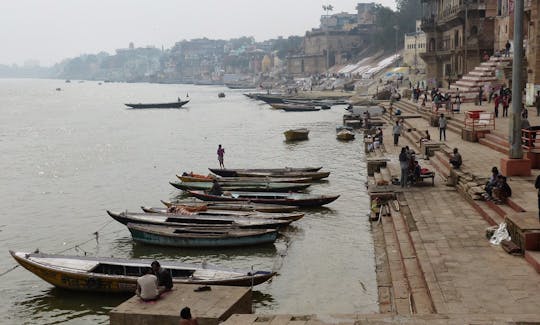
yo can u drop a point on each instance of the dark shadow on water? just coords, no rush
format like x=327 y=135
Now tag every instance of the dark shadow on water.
x=162 y=252
x=67 y=304
x=260 y=299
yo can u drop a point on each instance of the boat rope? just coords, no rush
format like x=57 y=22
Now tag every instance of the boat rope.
x=76 y=247
x=9 y=270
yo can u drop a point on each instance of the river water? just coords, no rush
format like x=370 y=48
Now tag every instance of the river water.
x=67 y=156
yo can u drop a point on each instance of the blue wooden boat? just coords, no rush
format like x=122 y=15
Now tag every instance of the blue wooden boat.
x=200 y=237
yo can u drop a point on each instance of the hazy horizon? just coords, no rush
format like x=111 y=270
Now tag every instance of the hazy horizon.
x=49 y=32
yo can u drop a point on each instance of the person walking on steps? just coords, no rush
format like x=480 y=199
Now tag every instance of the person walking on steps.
x=396 y=131
x=220 y=155
x=442 y=127
x=507 y=49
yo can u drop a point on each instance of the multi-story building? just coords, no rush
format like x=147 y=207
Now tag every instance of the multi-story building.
x=458 y=34
x=338 y=39
x=415 y=44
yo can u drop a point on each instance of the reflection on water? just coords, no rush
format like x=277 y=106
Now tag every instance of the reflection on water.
x=76 y=153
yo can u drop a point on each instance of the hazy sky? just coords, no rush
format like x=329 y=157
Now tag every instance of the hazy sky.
x=50 y=31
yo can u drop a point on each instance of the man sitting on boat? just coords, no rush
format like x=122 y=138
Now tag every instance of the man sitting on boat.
x=147 y=286
x=163 y=276
x=216 y=188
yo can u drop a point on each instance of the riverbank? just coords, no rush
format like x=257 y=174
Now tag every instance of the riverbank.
x=434 y=263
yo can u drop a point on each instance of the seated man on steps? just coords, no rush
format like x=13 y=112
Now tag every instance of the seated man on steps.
x=456 y=160
x=502 y=191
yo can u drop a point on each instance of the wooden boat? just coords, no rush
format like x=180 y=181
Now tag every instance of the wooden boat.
x=312 y=175
x=298 y=199
x=182 y=220
x=200 y=237
x=345 y=135
x=226 y=180
x=299 y=108
x=296 y=134
x=247 y=187
x=343 y=127
x=119 y=275
x=181 y=210
x=234 y=172
x=221 y=95
x=271 y=98
x=234 y=206
x=241 y=85
x=177 y=104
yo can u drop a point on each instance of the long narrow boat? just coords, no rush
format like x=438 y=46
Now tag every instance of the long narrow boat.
x=226 y=213
x=177 y=104
x=200 y=237
x=179 y=220
x=233 y=206
x=119 y=275
x=226 y=180
x=247 y=187
x=300 y=108
x=312 y=175
x=234 y=172
x=298 y=199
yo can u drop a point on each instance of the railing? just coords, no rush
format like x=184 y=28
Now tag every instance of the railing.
x=530 y=138
x=479 y=121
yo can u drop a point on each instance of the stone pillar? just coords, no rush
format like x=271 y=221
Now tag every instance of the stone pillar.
x=515 y=164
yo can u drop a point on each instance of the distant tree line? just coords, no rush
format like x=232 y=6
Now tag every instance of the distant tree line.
x=390 y=23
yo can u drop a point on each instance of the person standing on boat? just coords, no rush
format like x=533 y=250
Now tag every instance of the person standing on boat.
x=163 y=276
x=147 y=286
x=220 y=155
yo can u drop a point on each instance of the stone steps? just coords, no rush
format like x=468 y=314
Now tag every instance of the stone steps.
x=494 y=143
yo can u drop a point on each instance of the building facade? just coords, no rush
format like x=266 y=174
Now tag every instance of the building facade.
x=414 y=46
x=339 y=38
x=458 y=34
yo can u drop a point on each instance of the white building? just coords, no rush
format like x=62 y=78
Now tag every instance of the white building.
x=415 y=43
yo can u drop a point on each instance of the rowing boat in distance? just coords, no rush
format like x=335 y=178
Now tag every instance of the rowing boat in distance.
x=200 y=237
x=226 y=180
x=233 y=206
x=177 y=104
x=292 y=216
x=234 y=172
x=297 y=199
x=119 y=275
x=181 y=220
x=247 y=187
x=296 y=134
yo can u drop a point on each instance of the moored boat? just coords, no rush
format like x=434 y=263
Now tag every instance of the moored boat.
x=298 y=199
x=345 y=135
x=177 y=104
x=290 y=107
x=312 y=175
x=248 y=187
x=296 y=134
x=182 y=220
x=119 y=275
x=234 y=206
x=200 y=237
x=226 y=180
x=181 y=210
x=234 y=172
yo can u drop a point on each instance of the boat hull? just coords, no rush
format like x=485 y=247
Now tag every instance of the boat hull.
x=307 y=202
x=153 y=236
x=158 y=105
x=296 y=135
x=245 y=187
x=78 y=280
x=234 y=172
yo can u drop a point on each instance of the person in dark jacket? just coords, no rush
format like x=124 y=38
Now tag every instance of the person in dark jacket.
x=537 y=186
x=502 y=190
x=164 y=277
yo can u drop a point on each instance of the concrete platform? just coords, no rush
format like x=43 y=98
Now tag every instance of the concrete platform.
x=209 y=307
